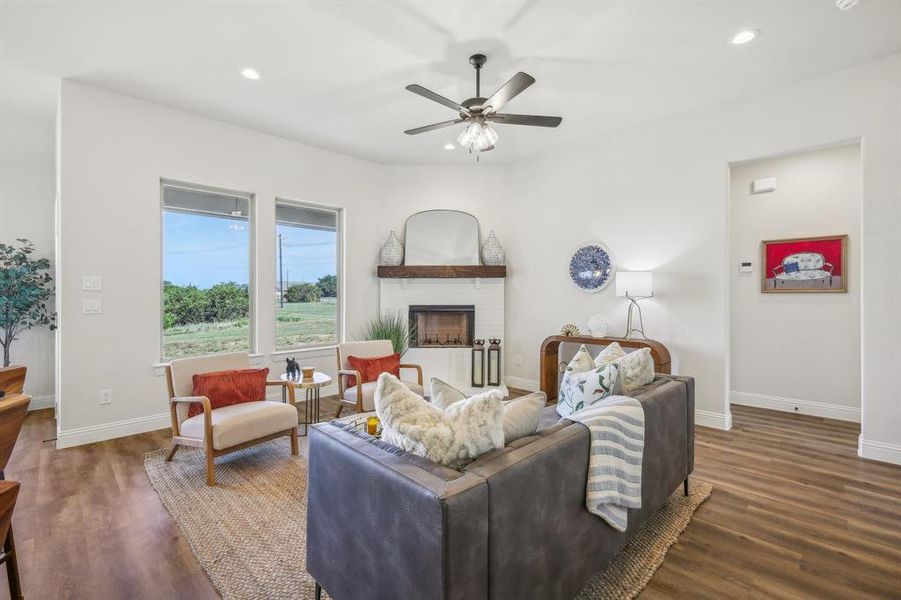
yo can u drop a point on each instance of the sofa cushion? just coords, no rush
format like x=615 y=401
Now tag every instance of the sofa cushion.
x=243 y=422
x=224 y=388
x=584 y=383
x=350 y=394
x=453 y=438
x=371 y=367
x=520 y=414
x=635 y=368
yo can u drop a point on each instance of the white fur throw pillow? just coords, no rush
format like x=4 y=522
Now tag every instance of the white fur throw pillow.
x=635 y=368
x=454 y=437
x=521 y=415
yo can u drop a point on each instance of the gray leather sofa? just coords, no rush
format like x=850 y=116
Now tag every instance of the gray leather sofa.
x=383 y=524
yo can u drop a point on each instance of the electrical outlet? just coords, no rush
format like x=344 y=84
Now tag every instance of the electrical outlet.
x=517 y=360
x=106 y=397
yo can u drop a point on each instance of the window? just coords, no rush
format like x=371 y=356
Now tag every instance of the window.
x=206 y=271
x=307 y=302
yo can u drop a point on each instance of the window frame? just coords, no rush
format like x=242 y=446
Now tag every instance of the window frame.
x=339 y=268
x=251 y=258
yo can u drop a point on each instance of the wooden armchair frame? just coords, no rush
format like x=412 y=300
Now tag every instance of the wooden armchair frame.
x=207 y=442
x=343 y=374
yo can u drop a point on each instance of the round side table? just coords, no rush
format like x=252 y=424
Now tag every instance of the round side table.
x=311 y=388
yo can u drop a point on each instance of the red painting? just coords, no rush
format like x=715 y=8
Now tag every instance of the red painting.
x=805 y=265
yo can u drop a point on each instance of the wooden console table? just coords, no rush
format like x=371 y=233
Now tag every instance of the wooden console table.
x=550 y=361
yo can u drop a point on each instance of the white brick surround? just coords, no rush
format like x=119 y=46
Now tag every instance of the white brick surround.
x=449 y=364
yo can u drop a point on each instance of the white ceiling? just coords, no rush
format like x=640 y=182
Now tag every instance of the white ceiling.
x=333 y=73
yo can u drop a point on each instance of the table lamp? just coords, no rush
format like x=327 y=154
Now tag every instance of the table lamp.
x=634 y=285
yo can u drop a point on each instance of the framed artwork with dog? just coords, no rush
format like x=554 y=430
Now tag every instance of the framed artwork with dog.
x=814 y=264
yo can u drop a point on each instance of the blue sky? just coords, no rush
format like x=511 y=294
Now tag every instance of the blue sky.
x=204 y=251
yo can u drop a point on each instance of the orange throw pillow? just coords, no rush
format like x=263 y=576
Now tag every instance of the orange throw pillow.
x=225 y=388
x=371 y=368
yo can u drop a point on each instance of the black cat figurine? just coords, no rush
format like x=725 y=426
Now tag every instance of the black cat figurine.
x=292 y=370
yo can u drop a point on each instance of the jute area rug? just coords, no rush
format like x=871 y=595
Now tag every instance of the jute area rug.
x=249 y=532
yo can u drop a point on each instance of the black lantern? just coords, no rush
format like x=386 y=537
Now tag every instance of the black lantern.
x=494 y=362
x=478 y=363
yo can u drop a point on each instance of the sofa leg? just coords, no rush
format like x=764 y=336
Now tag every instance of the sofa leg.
x=338 y=412
x=318 y=591
x=685 y=486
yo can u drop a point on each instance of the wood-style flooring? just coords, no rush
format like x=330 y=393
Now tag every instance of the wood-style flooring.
x=794 y=514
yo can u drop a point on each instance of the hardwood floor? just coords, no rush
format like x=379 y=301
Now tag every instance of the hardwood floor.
x=794 y=514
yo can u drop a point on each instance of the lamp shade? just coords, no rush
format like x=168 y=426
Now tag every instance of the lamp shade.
x=637 y=284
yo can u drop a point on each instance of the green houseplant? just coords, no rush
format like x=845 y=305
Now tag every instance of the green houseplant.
x=390 y=326
x=26 y=289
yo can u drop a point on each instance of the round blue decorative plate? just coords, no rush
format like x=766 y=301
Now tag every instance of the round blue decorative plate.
x=591 y=267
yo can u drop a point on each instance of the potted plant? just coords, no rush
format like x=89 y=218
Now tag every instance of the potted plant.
x=389 y=326
x=25 y=292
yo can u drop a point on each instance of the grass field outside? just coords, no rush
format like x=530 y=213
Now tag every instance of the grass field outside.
x=297 y=324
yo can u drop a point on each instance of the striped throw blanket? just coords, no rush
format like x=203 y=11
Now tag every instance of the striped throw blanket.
x=614 y=463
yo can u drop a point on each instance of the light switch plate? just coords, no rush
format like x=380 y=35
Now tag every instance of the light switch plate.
x=91 y=306
x=744 y=267
x=91 y=283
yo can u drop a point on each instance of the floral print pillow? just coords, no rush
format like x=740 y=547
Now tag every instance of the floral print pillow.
x=635 y=368
x=584 y=384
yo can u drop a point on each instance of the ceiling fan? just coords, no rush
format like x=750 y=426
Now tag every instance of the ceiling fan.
x=480 y=113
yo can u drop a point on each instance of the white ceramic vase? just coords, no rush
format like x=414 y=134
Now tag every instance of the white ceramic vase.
x=492 y=251
x=392 y=251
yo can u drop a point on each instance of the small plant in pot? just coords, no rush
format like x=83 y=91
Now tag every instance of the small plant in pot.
x=26 y=290
x=390 y=326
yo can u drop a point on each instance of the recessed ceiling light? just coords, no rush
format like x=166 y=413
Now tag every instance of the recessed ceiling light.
x=249 y=73
x=845 y=5
x=743 y=37
x=449 y=146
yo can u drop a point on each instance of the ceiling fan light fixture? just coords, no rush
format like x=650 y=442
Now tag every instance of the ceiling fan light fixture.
x=470 y=134
x=487 y=139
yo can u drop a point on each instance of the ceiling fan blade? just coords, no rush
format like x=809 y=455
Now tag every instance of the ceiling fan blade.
x=534 y=120
x=432 y=127
x=418 y=89
x=509 y=90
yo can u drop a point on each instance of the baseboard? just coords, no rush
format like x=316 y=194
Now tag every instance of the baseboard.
x=521 y=383
x=793 y=405
x=882 y=451
x=109 y=431
x=42 y=402
x=715 y=420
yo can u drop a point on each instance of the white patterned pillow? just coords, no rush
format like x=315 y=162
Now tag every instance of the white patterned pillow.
x=452 y=437
x=635 y=368
x=584 y=383
x=521 y=415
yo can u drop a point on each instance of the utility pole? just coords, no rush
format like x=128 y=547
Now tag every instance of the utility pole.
x=281 y=275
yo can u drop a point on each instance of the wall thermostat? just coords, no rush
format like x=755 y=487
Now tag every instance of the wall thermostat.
x=744 y=266
x=762 y=186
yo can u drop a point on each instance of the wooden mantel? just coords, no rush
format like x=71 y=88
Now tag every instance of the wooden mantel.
x=441 y=271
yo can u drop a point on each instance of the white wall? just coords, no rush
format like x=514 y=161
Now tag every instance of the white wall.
x=114 y=151
x=796 y=351
x=658 y=196
x=27 y=190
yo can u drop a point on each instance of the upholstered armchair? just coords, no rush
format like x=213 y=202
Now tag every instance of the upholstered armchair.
x=803 y=266
x=229 y=428
x=361 y=395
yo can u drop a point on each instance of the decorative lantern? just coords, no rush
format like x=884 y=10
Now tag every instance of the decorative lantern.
x=478 y=363
x=494 y=362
